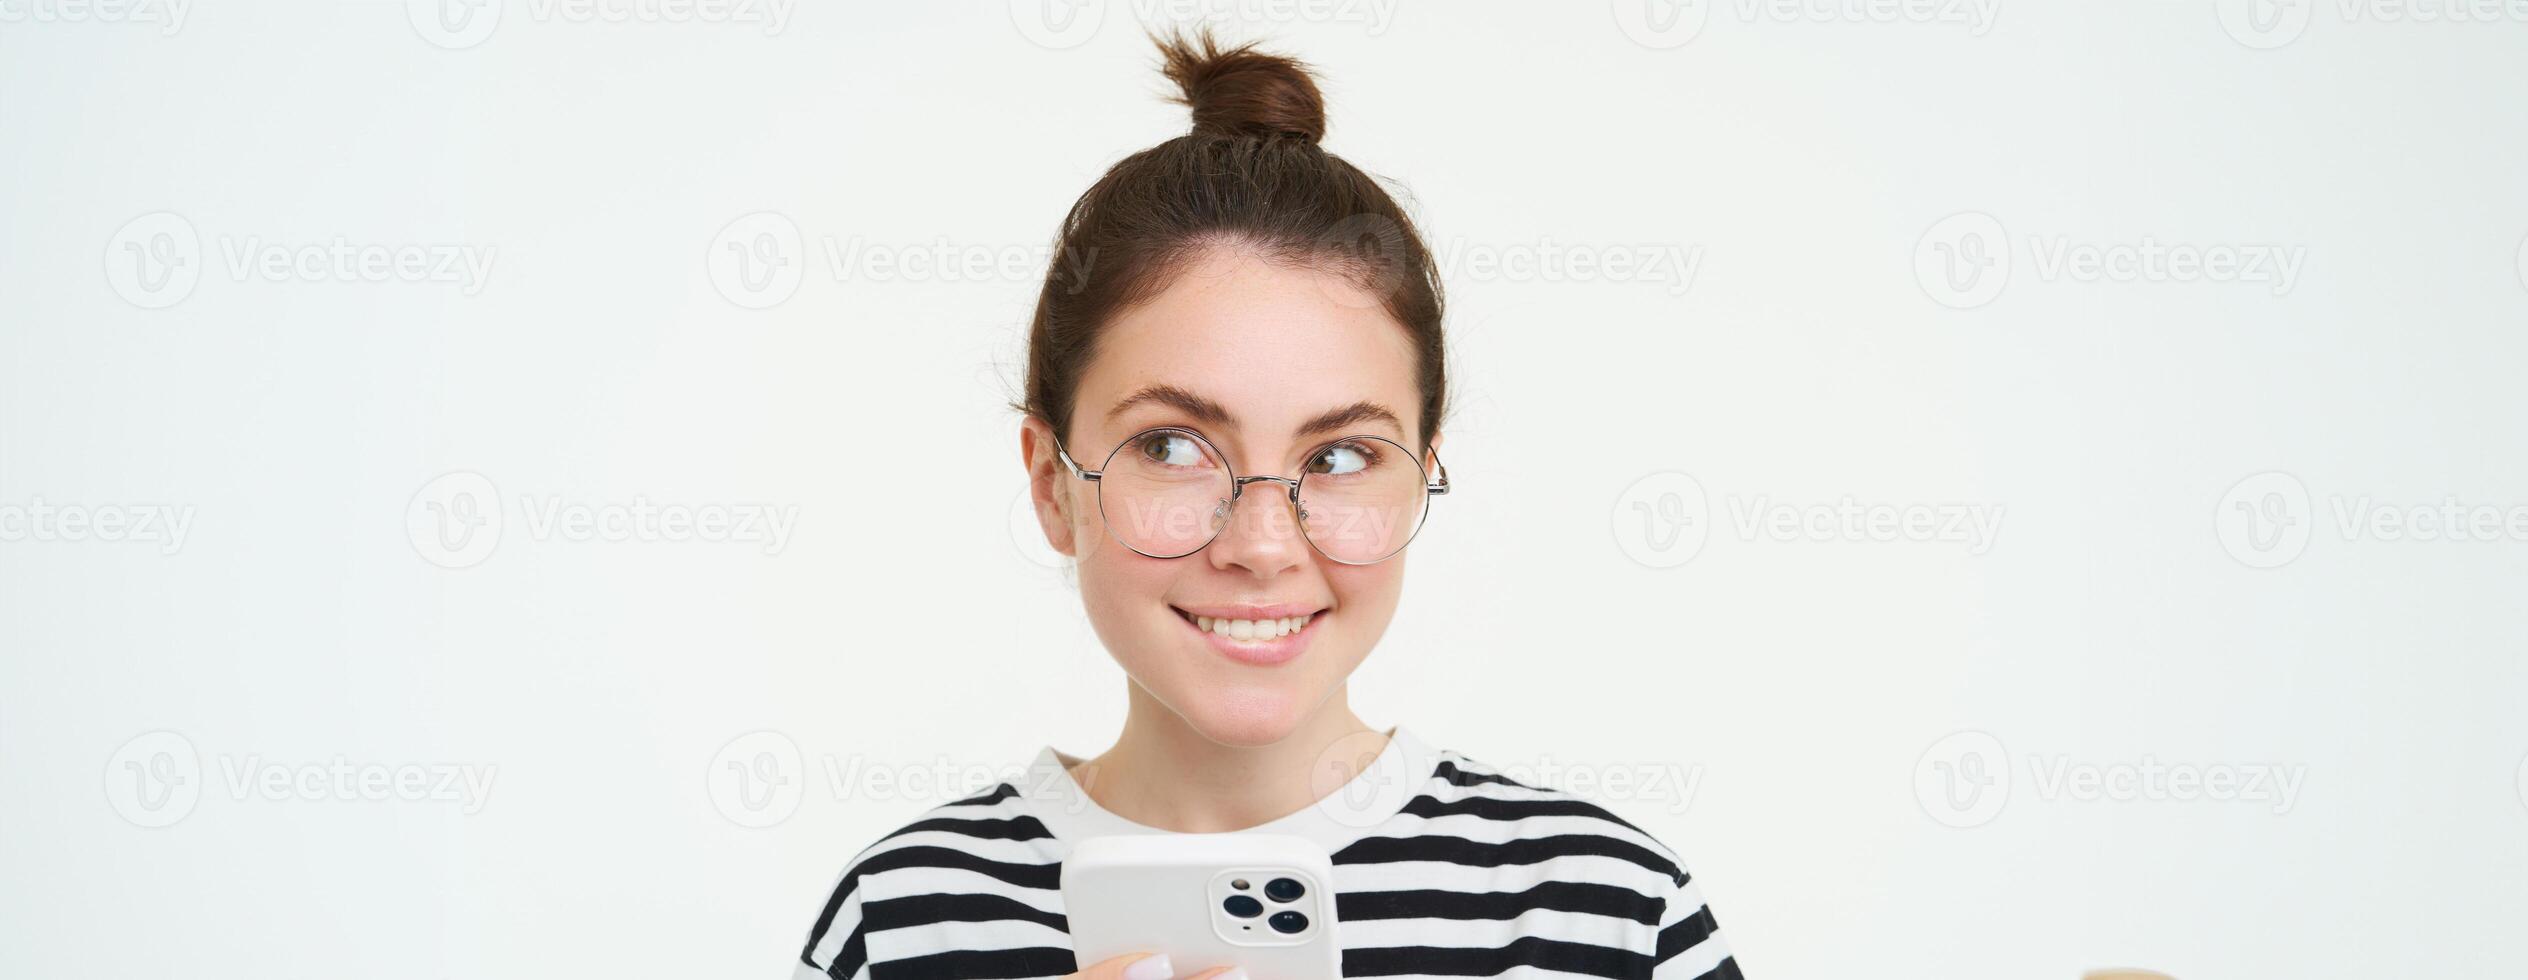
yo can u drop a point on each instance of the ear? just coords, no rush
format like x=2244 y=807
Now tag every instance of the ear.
x=1049 y=486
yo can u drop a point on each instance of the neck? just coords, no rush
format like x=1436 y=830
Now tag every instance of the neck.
x=1164 y=773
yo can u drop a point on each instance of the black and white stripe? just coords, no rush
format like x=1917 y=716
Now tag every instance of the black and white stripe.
x=1476 y=875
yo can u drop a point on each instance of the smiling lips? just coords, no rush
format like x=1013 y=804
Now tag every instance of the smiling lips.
x=1260 y=635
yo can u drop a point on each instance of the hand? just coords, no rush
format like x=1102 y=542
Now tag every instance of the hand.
x=1147 y=966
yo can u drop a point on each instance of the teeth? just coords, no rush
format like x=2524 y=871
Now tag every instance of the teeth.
x=1251 y=629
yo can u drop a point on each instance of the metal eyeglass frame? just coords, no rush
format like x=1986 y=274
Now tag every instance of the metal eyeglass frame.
x=1432 y=486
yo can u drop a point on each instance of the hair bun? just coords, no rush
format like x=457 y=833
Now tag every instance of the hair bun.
x=1243 y=92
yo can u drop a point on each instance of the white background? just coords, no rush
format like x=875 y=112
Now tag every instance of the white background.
x=2142 y=602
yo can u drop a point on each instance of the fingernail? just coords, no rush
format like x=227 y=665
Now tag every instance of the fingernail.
x=1235 y=973
x=1150 y=968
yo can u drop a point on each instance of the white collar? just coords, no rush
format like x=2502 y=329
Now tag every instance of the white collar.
x=1368 y=798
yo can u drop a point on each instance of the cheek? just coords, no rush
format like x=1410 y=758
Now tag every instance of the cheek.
x=1367 y=594
x=1123 y=592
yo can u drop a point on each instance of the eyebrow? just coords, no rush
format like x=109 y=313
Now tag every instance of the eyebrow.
x=1209 y=412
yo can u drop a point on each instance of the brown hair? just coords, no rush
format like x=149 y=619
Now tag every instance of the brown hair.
x=1249 y=175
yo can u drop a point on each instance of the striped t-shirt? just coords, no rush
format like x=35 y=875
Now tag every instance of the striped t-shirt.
x=1442 y=867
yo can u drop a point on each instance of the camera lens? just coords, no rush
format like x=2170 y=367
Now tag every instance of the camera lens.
x=1287 y=922
x=1284 y=889
x=1243 y=906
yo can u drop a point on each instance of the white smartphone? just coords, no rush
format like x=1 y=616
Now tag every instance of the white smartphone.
x=1264 y=902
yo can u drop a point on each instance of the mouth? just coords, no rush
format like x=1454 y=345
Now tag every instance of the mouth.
x=1259 y=635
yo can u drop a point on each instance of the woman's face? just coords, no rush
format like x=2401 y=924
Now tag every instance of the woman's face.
x=1267 y=362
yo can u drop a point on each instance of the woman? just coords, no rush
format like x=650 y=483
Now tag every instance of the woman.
x=1234 y=391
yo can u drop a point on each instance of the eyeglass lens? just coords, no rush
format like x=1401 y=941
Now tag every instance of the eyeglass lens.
x=1167 y=492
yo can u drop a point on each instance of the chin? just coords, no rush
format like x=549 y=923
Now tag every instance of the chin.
x=1243 y=717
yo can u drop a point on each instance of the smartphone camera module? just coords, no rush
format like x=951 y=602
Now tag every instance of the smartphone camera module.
x=1269 y=906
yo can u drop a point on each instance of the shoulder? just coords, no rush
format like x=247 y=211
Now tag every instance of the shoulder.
x=983 y=858
x=1522 y=804
x=1588 y=842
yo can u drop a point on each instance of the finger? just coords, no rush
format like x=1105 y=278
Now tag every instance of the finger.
x=1131 y=966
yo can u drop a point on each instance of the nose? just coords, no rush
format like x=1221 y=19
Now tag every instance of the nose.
x=1263 y=536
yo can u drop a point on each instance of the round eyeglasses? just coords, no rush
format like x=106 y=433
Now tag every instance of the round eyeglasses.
x=1167 y=492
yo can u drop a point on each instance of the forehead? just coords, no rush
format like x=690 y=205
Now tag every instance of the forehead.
x=1274 y=343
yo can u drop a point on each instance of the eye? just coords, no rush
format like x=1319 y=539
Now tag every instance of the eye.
x=1343 y=458
x=1173 y=449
